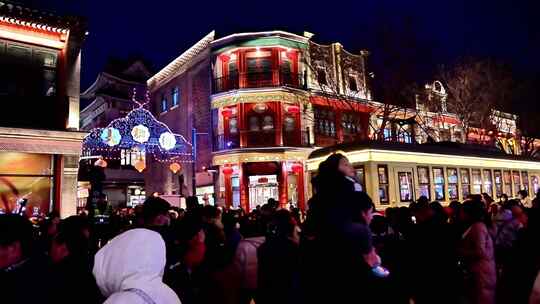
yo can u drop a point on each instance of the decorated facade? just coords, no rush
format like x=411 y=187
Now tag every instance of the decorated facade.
x=107 y=99
x=39 y=91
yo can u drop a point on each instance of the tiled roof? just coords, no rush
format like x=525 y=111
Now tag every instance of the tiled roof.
x=180 y=64
x=39 y=19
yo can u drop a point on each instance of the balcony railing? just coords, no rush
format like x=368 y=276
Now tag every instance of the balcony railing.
x=270 y=78
x=259 y=139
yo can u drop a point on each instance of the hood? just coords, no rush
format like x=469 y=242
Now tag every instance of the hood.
x=133 y=259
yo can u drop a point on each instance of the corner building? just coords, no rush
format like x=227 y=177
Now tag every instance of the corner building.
x=270 y=105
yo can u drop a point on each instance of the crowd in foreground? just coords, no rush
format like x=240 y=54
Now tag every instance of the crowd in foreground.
x=477 y=251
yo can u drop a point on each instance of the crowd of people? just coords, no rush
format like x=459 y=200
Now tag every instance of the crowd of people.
x=341 y=251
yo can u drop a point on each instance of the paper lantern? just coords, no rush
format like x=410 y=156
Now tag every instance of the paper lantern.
x=297 y=168
x=227 y=170
x=226 y=112
x=140 y=165
x=175 y=167
x=293 y=109
x=101 y=163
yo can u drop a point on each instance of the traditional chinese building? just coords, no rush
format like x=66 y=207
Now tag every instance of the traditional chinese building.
x=109 y=98
x=39 y=91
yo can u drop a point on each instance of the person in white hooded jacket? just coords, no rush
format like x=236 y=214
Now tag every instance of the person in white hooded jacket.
x=129 y=269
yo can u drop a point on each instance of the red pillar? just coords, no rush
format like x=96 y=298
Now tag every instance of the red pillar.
x=241 y=124
x=283 y=195
x=228 y=190
x=300 y=190
x=275 y=65
x=244 y=187
x=242 y=68
x=279 y=123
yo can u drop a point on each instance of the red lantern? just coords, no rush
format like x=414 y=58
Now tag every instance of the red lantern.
x=293 y=109
x=297 y=168
x=227 y=170
x=226 y=112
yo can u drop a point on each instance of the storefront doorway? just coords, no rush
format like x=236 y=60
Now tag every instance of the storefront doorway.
x=262 y=188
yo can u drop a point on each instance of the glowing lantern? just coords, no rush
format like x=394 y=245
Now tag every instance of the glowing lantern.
x=111 y=136
x=293 y=109
x=297 y=168
x=175 y=167
x=101 y=163
x=167 y=140
x=140 y=165
x=227 y=170
x=226 y=112
x=140 y=134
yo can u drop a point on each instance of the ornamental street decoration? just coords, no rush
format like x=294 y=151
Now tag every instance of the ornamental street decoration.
x=139 y=130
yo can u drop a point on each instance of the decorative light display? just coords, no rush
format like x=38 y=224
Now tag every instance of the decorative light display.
x=111 y=136
x=167 y=140
x=140 y=165
x=140 y=134
x=175 y=167
x=138 y=130
x=226 y=112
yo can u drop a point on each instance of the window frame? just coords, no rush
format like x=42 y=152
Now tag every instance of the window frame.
x=450 y=184
x=383 y=184
x=175 y=95
x=421 y=183
x=435 y=183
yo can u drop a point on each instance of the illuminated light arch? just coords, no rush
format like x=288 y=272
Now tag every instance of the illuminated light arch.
x=175 y=149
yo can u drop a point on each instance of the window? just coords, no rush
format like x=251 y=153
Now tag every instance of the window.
x=438 y=181
x=352 y=84
x=507 y=178
x=163 y=103
x=405 y=186
x=26 y=175
x=361 y=176
x=325 y=122
x=382 y=172
x=453 y=193
x=235 y=184
x=535 y=184
x=476 y=181
x=321 y=76
x=488 y=182
x=517 y=181
x=175 y=96
x=423 y=182
x=351 y=123
x=465 y=182
x=525 y=180
x=498 y=183
x=405 y=133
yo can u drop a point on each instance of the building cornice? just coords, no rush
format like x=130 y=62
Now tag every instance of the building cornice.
x=180 y=64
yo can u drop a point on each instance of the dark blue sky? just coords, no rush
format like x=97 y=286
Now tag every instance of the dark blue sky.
x=160 y=30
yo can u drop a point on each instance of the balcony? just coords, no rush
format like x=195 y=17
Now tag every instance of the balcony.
x=271 y=78
x=260 y=139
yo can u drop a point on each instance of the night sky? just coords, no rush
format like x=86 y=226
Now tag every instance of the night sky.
x=160 y=30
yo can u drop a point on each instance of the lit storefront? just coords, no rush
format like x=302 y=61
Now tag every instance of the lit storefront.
x=41 y=167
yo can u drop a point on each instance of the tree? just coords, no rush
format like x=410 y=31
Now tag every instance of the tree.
x=477 y=91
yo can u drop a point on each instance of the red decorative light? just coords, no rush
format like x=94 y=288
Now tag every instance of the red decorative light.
x=262 y=180
x=227 y=170
x=490 y=132
x=297 y=168
x=226 y=112
x=293 y=109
